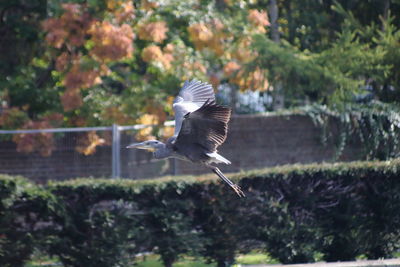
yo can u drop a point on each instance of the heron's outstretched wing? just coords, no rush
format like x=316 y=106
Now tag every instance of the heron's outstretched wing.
x=196 y=92
x=190 y=98
x=207 y=127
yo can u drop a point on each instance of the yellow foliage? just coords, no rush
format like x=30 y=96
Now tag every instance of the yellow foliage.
x=156 y=110
x=255 y=80
x=201 y=34
x=208 y=35
x=145 y=133
x=148 y=119
x=113 y=4
x=88 y=142
x=193 y=69
x=153 y=53
x=116 y=115
x=167 y=132
x=242 y=52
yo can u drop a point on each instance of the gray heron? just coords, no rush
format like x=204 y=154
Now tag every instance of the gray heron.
x=201 y=125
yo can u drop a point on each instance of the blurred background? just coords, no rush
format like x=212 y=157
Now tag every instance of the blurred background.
x=308 y=81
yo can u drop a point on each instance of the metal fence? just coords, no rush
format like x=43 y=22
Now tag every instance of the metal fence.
x=65 y=162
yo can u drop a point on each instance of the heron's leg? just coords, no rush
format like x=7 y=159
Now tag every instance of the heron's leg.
x=234 y=186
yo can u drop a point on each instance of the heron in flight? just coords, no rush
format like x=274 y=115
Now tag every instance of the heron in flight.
x=201 y=126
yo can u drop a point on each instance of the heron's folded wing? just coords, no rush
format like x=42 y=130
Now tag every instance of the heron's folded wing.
x=190 y=98
x=207 y=126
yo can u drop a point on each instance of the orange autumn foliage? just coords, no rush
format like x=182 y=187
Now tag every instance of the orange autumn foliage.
x=231 y=68
x=71 y=31
x=13 y=117
x=62 y=61
x=258 y=19
x=70 y=28
x=111 y=42
x=153 y=31
x=116 y=115
x=214 y=80
x=125 y=12
x=43 y=143
x=255 y=80
x=78 y=78
x=71 y=99
x=148 y=5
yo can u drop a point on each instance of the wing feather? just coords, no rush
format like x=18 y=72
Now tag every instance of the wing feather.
x=197 y=92
x=191 y=97
x=207 y=127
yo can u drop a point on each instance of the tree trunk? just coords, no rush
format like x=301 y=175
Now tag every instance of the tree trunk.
x=167 y=262
x=278 y=96
x=386 y=9
x=223 y=263
x=273 y=15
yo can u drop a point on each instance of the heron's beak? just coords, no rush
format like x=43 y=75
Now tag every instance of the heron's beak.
x=142 y=145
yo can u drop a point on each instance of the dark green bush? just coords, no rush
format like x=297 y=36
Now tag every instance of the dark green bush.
x=108 y=221
x=25 y=211
x=296 y=213
x=98 y=225
x=340 y=210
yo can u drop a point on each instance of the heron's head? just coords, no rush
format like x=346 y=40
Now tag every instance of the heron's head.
x=150 y=145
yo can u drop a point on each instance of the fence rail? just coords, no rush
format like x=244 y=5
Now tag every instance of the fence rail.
x=85 y=129
x=115 y=144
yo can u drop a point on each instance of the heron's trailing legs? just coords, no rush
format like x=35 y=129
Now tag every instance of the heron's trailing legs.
x=235 y=187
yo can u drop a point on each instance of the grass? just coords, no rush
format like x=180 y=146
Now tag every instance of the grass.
x=255 y=258
x=154 y=261
x=38 y=259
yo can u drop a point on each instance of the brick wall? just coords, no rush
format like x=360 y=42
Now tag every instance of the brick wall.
x=254 y=141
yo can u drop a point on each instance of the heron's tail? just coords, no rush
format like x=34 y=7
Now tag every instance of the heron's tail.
x=217 y=158
x=234 y=186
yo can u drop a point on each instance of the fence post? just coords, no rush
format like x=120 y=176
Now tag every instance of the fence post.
x=116 y=146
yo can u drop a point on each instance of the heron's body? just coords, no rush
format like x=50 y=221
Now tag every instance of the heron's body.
x=200 y=127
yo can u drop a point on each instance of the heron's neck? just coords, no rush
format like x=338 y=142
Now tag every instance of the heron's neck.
x=162 y=151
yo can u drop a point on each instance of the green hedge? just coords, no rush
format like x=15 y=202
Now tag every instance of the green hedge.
x=296 y=213
x=25 y=218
